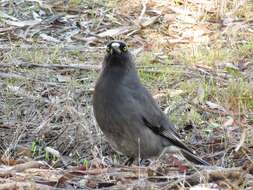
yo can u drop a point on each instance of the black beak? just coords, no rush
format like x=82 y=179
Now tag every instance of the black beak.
x=116 y=47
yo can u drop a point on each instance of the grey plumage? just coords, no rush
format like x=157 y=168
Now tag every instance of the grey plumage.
x=127 y=113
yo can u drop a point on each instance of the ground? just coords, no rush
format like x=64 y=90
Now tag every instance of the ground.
x=196 y=57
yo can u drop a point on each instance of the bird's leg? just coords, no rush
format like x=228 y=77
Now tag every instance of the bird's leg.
x=129 y=161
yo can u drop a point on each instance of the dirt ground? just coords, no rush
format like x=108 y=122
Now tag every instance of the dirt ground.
x=196 y=57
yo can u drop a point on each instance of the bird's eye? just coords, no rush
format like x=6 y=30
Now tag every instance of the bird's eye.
x=108 y=49
x=125 y=49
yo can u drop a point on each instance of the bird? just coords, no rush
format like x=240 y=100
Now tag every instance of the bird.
x=127 y=114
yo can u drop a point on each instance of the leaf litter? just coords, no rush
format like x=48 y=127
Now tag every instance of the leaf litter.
x=49 y=136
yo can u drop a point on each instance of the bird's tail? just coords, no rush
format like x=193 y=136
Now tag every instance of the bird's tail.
x=193 y=158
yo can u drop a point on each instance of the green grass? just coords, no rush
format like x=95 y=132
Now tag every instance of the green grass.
x=184 y=89
x=235 y=94
x=246 y=11
x=42 y=55
x=94 y=3
x=166 y=73
x=77 y=2
x=246 y=49
x=33 y=55
x=204 y=56
x=239 y=95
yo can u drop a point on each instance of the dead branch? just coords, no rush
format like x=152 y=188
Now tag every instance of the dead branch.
x=69 y=47
x=11 y=75
x=144 y=8
x=27 y=165
x=53 y=66
x=21 y=167
x=25 y=185
x=17 y=76
x=209 y=176
x=58 y=66
x=242 y=139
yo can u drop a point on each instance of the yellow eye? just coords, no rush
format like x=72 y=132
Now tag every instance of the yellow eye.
x=125 y=49
x=108 y=49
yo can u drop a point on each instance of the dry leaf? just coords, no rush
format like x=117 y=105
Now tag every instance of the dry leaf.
x=182 y=11
x=22 y=23
x=159 y=95
x=115 y=31
x=49 y=38
x=62 y=78
x=200 y=94
x=4 y=15
x=52 y=151
x=208 y=186
x=149 y=21
x=242 y=139
x=228 y=122
x=231 y=66
x=187 y=19
x=173 y=92
x=215 y=106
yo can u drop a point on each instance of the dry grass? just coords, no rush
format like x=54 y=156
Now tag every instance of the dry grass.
x=195 y=56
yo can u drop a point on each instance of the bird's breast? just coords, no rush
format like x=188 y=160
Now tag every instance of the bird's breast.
x=107 y=99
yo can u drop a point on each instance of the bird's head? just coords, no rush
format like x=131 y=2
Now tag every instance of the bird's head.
x=116 y=48
x=118 y=54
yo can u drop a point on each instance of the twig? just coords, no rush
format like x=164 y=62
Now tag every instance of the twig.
x=18 y=91
x=69 y=47
x=205 y=109
x=144 y=8
x=13 y=75
x=70 y=66
x=43 y=124
x=53 y=66
x=208 y=175
x=21 y=167
x=242 y=139
x=27 y=165
x=25 y=185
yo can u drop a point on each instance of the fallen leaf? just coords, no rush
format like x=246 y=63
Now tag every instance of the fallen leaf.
x=52 y=151
x=159 y=96
x=173 y=92
x=228 y=122
x=215 y=106
x=62 y=78
x=149 y=21
x=230 y=65
x=22 y=23
x=115 y=31
x=9 y=161
x=49 y=38
x=187 y=19
x=242 y=139
x=200 y=95
x=208 y=186
x=4 y=15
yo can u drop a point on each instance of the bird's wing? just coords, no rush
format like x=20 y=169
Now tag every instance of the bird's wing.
x=167 y=133
x=156 y=120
